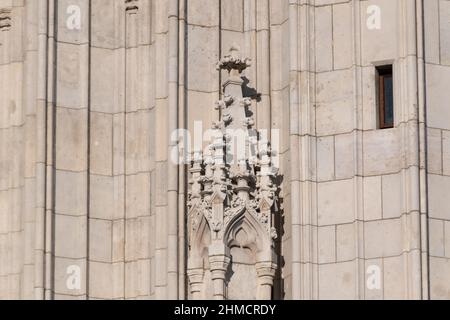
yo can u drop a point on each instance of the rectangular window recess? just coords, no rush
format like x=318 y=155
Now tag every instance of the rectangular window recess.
x=385 y=103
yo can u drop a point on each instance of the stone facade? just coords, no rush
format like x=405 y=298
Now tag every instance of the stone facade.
x=92 y=205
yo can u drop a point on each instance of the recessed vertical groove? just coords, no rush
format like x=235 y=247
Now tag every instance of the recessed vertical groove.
x=41 y=121
x=88 y=144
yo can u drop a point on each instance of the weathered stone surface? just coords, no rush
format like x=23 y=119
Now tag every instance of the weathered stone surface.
x=91 y=205
x=337 y=281
x=383 y=238
x=335 y=202
x=372 y=198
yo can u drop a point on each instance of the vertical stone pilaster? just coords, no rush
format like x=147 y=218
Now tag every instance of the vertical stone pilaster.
x=68 y=211
x=161 y=147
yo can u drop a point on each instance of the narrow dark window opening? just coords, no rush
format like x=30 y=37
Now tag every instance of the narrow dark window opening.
x=385 y=97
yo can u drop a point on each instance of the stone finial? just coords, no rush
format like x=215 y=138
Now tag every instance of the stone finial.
x=5 y=19
x=232 y=61
x=131 y=6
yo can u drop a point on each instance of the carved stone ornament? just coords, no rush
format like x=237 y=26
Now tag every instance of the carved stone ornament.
x=131 y=6
x=232 y=203
x=5 y=19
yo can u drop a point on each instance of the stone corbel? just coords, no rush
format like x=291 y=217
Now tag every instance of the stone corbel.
x=196 y=278
x=219 y=260
x=266 y=276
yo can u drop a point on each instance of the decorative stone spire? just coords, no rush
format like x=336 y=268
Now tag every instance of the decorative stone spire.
x=233 y=105
x=232 y=198
x=233 y=63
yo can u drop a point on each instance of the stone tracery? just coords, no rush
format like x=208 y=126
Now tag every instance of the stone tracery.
x=231 y=201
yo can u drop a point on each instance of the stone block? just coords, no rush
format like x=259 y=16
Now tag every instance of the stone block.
x=345 y=156
x=137 y=275
x=4 y=211
x=379 y=44
x=382 y=152
x=69 y=273
x=100 y=240
x=439 y=278
x=447 y=239
x=203 y=56
x=105 y=24
x=445 y=152
x=137 y=202
x=393 y=198
x=279 y=12
x=118 y=240
x=204 y=13
x=369 y=98
x=372 y=198
x=161 y=127
x=438 y=113
x=107 y=197
x=101 y=150
x=327 y=244
x=118 y=144
x=138 y=136
x=439 y=201
x=5 y=251
x=336 y=202
x=232 y=15
x=106 y=280
x=71 y=193
x=431 y=23
x=137 y=233
x=70 y=236
x=335 y=110
x=346 y=242
x=374 y=279
x=279 y=53
x=342 y=33
x=161 y=184
x=71 y=85
x=71 y=142
x=105 y=65
x=437 y=237
x=337 y=281
x=434 y=149
x=324 y=38
x=325 y=158
x=69 y=13
x=394 y=280
x=444 y=32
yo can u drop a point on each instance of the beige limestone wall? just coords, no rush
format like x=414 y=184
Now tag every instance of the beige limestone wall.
x=437 y=70
x=86 y=116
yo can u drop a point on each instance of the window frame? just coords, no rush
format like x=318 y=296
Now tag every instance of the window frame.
x=383 y=72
